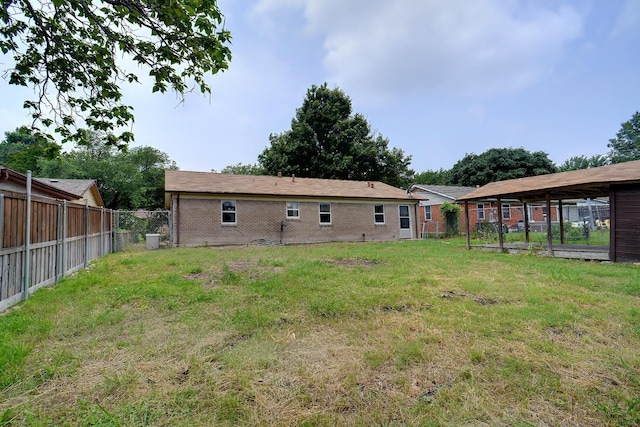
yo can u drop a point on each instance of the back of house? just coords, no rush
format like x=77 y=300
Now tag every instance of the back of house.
x=225 y=209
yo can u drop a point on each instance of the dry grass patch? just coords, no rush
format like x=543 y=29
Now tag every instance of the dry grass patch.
x=410 y=333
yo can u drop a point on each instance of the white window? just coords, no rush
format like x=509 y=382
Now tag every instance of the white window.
x=427 y=213
x=325 y=213
x=506 y=211
x=293 y=210
x=480 y=211
x=378 y=213
x=228 y=211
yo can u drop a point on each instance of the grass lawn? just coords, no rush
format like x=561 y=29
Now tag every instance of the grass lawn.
x=405 y=333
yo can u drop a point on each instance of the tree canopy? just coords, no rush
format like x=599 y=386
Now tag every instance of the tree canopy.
x=243 y=169
x=67 y=50
x=583 y=162
x=129 y=179
x=626 y=145
x=21 y=150
x=498 y=164
x=327 y=140
x=433 y=177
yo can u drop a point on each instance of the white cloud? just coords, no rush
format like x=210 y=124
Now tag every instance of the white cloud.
x=379 y=47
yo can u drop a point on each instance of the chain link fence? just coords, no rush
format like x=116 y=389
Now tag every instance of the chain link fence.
x=132 y=227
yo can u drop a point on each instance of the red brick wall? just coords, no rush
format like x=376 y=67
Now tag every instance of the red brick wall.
x=199 y=222
x=429 y=226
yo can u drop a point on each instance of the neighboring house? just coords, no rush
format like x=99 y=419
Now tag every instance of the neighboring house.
x=220 y=209
x=432 y=221
x=87 y=188
x=15 y=182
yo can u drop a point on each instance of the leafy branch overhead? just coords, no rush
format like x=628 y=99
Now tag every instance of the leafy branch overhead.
x=68 y=50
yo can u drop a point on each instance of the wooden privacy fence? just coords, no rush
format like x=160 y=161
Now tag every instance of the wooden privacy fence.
x=42 y=240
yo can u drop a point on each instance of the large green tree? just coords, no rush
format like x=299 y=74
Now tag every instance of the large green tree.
x=21 y=150
x=433 y=177
x=583 y=162
x=129 y=179
x=498 y=164
x=243 y=169
x=327 y=140
x=73 y=53
x=626 y=145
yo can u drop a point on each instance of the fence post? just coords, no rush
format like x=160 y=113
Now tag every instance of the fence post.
x=86 y=236
x=56 y=268
x=27 y=242
x=116 y=223
x=102 y=231
x=113 y=232
x=64 y=237
x=1 y=218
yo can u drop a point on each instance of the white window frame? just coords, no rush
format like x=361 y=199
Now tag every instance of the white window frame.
x=506 y=211
x=321 y=213
x=427 y=213
x=376 y=215
x=480 y=211
x=234 y=211
x=294 y=208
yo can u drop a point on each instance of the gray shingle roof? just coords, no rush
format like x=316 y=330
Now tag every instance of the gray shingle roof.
x=451 y=191
x=76 y=186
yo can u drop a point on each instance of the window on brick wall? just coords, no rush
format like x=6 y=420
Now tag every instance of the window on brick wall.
x=325 y=213
x=427 y=213
x=480 y=211
x=293 y=210
x=229 y=212
x=378 y=213
x=506 y=211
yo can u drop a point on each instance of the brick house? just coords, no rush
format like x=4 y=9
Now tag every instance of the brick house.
x=433 y=196
x=221 y=209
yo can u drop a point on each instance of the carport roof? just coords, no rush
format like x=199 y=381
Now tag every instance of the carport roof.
x=580 y=184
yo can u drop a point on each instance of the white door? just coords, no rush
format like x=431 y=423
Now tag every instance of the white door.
x=405 y=221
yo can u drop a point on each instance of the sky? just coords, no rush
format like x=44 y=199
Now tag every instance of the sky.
x=439 y=79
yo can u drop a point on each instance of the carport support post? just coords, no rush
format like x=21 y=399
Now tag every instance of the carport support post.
x=466 y=223
x=549 y=234
x=500 y=236
x=526 y=221
x=561 y=219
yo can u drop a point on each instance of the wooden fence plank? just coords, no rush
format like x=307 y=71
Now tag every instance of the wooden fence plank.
x=59 y=243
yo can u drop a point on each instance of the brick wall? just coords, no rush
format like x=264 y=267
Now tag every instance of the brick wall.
x=437 y=221
x=199 y=222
